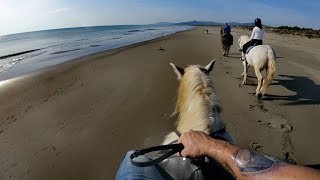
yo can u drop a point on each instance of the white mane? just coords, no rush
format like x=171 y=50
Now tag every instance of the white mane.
x=242 y=40
x=197 y=106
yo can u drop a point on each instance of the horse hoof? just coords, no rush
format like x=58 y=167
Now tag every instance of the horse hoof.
x=259 y=95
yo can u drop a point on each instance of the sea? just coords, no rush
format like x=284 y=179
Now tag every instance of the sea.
x=27 y=52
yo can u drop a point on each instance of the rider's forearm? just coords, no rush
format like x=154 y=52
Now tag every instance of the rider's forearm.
x=222 y=152
x=246 y=164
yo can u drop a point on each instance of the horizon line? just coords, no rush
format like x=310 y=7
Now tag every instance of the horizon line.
x=173 y=23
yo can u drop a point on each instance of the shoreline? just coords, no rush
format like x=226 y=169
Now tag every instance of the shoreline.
x=120 y=49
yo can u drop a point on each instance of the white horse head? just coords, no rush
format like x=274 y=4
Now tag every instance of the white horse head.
x=197 y=106
x=242 y=40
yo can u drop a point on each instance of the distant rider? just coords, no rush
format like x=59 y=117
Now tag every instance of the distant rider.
x=227 y=29
x=227 y=33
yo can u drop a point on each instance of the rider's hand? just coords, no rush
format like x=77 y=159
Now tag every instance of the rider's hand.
x=195 y=143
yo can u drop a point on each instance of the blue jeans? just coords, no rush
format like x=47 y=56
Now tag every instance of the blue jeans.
x=128 y=171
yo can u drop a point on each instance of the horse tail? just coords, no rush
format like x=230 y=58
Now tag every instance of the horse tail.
x=271 y=69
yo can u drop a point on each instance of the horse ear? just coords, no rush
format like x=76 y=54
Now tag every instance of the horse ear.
x=209 y=67
x=178 y=70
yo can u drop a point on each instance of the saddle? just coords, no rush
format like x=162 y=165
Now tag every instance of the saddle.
x=250 y=47
x=171 y=166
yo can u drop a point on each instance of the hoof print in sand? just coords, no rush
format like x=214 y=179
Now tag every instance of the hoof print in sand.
x=251 y=107
x=256 y=146
x=252 y=93
x=161 y=49
x=286 y=128
x=274 y=124
x=262 y=108
x=263 y=123
x=259 y=106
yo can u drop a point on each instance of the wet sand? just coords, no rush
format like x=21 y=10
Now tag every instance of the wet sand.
x=76 y=120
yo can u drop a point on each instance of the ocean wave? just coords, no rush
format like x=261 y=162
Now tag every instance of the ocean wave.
x=10 y=63
x=135 y=30
x=65 y=51
x=10 y=60
x=19 y=53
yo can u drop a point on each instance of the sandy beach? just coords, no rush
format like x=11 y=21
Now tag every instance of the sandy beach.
x=76 y=120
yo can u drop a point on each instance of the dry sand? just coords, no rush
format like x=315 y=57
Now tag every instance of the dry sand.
x=76 y=120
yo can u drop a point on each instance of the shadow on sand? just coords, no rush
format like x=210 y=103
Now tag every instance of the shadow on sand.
x=307 y=92
x=234 y=57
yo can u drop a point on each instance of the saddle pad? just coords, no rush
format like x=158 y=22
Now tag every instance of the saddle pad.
x=249 y=49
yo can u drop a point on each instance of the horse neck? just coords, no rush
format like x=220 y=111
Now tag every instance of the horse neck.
x=198 y=109
x=244 y=39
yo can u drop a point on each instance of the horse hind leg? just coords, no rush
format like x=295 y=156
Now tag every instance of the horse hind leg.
x=244 y=74
x=259 y=76
x=227 y=51
x=223 y=51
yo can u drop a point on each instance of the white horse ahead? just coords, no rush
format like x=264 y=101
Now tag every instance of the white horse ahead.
x=197 y=106
x=260 y=57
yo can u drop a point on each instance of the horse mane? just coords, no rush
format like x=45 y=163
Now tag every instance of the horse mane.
x=197 y=106
x=196 y=87
x=242 y=40
x=199 y=84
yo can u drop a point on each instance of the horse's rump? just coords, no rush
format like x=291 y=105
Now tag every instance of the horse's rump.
x=260 y=57
x=227 y=39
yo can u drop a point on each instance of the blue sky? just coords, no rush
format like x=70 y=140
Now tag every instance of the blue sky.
x=21 y=15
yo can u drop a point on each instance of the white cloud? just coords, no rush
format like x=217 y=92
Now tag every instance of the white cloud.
x=58 y=10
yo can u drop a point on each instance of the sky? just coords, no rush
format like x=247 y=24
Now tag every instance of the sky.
x=31 y=15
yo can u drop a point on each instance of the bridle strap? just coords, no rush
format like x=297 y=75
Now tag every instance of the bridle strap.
x=174 y=148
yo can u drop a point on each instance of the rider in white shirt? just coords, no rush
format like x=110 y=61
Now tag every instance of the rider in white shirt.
x=256 y=37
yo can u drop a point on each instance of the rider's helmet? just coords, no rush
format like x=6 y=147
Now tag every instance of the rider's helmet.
x=257 y=22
